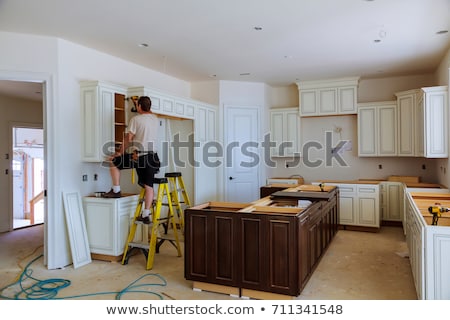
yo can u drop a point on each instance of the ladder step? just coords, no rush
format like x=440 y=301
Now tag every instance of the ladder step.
x=141 y=245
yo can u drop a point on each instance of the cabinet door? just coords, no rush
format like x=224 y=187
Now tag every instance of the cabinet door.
x=387 y=130
x=282 y=255
x=393 y=203
x=197 y=253
x=292 y=131
x=223 y=267
x=406 y=125
x=100 y=222
x=328 y=101
x=308 y=103
x=284 y=128
x=252 y=249
x=276 y=131
x=436 y=124
x=368 y=206
x=347 y=100
x=367 y=131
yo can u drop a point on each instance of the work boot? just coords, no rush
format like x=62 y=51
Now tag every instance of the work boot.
x=112 y=194
x=144 y=220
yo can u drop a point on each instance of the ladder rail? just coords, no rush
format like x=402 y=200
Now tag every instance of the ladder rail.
x=153 y=243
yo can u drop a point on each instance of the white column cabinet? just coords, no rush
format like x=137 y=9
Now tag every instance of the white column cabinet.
x=435 y=100
x=377 y=134
x=328 y=97
x=422 y=122
x=285 y=132
x=98 y=103
x=206 y=187
x=406 y=117
x=107 y=223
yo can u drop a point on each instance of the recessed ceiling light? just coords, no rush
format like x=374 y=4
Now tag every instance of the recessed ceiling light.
x=442 y=32
x=377 y=40
x=245 y=74
x=258 y=28
x=213 y=75
x=143 y=45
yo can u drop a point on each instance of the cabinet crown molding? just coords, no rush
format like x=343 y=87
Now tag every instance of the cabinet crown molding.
x=326 y=83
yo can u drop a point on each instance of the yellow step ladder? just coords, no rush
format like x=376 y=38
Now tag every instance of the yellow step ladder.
x=176 y=183
x=149 y=248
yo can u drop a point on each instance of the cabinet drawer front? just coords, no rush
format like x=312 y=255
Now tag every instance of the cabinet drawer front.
x=368 y=189
x=346 y=189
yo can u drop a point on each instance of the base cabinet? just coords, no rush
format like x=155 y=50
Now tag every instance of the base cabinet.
x=359 y=204
x=269 y=252
x=429 y=245
x=107 y=223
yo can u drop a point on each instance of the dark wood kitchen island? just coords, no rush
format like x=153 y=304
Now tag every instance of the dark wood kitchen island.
x=265 y=249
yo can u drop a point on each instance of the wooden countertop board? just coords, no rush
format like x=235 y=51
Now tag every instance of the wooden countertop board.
x=407 y=179
x=424 y=204
x=227 y=206
x=430 y=195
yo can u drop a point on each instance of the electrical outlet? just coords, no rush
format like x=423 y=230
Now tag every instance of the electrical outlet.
x=85 y=177
x=95 y=177
x=380 y=166
x=424 y=167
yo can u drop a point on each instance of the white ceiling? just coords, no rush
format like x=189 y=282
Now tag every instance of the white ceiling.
x=197 y=40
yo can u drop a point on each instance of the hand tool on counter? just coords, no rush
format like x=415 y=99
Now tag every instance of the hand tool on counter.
x=437 y=211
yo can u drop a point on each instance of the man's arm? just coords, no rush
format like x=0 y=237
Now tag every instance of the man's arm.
x=128 y=139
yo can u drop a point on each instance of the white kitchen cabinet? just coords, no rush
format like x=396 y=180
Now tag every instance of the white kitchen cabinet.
x=206 y=176
x=328 y=97
x=435 y=108
x=368 y=213
x=377 y=129
x=429 y=248
x=407 y=125
x=422 y=124
x=285 y=132
x=347 y=204
x=391 y=201
x=359 y=204
x=107 y=223
x=166 y=105
x=103 y=119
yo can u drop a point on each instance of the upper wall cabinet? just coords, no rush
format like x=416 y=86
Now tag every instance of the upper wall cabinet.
x=422 y=122
x=166 y=105
x=377 y=129
x=328 y=97
x=285 y=132
x=103 y=119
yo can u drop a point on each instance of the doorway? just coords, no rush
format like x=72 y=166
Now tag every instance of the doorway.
x=27 y=176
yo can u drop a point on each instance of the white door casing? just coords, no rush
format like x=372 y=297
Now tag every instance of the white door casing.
x=242 y=155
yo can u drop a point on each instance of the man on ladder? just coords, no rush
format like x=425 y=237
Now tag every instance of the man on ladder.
x=142 y=137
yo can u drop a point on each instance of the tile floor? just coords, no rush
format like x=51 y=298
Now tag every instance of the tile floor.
x=356 y=266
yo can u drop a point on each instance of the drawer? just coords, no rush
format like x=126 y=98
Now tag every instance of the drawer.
x=365 y=189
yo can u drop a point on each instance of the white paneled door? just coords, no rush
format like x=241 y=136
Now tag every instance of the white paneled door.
x=242 y=158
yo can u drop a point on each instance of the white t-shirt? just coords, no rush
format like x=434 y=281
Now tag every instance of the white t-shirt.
x=145 y=129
